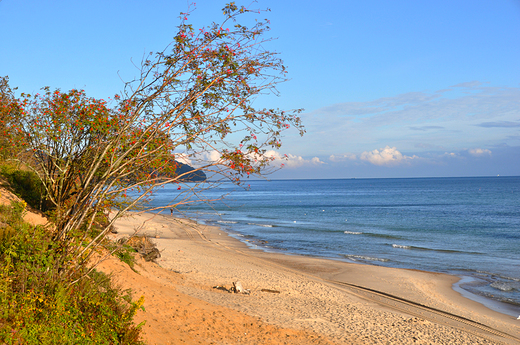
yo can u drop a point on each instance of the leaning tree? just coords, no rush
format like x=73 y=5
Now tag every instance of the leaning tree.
x=193 y=101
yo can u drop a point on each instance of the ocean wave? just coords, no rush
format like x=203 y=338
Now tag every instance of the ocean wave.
x=502 y=286
x=212 y=213
x=353 y=232
x=501 y=276
x=401 y=246
x=364 y=258
x=262 y=225
x=451 y=251
x=226 y=221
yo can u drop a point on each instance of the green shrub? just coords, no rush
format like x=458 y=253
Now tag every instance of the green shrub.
x=40 y=305
x=25 y=184
x=126 y=253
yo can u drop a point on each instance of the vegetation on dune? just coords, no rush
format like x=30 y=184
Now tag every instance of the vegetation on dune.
x=39 y=305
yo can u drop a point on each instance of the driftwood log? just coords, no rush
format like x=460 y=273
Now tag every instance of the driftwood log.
x=236 y=288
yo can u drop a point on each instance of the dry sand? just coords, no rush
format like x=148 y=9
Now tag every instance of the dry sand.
x=293 y=299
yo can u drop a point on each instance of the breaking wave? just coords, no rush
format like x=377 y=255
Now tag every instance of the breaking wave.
x=401 y=246
x=364 y=258
x=503 y=286
x=262 y=225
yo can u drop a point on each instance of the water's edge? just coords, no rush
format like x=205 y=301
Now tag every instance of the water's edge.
x=498 y=306
x=462 y=286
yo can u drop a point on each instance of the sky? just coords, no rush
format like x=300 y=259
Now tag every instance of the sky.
x=400 y=88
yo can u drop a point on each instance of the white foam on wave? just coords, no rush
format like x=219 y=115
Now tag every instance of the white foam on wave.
x=499 y=275
x=205 y=212
x=262 y=225
x=401 y=246
x=226 y=222
x=364 y=258
x=502 y=286
x=353 y=232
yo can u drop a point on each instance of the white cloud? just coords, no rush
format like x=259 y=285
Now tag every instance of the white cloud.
x=479 y=152
x=289 y=160
x=199 y=159
x=450 y=154
x=500 y=124
x=212 y=156
x=292 y=161
x=469 y=84
x=343 y=157
x=387 y=156
x=183 y=158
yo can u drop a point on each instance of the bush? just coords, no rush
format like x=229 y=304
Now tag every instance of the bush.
x=40 y=305
x=125 y=253
x=25 y=184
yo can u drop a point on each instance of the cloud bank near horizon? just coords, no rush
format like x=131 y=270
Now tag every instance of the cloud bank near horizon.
x=470 y=124
x=391 y=163
x=471 y=114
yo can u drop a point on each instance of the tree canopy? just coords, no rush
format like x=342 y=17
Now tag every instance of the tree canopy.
x=192 y=102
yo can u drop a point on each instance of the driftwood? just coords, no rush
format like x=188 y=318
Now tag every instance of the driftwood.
x=223 y=288
x=236 y=288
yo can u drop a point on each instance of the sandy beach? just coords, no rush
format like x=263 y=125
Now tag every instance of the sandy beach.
x=291 y=299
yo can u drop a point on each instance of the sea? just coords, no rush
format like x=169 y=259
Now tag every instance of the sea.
x=467 y=226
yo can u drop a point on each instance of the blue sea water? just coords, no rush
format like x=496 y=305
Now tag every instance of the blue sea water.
x=468 y=227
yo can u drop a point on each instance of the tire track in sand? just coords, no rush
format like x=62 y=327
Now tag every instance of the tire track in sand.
x=431 y=314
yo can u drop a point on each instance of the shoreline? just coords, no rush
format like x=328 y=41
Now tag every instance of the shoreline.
x=502 y=307
x=499 y=306
x=357 y=294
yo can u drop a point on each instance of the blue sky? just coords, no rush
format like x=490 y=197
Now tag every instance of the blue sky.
x=390 y=88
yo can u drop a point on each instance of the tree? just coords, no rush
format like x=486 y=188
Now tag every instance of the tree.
x=10 y=111
x=191 y=102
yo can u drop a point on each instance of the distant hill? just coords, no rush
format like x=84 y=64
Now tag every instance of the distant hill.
x=195 y=176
